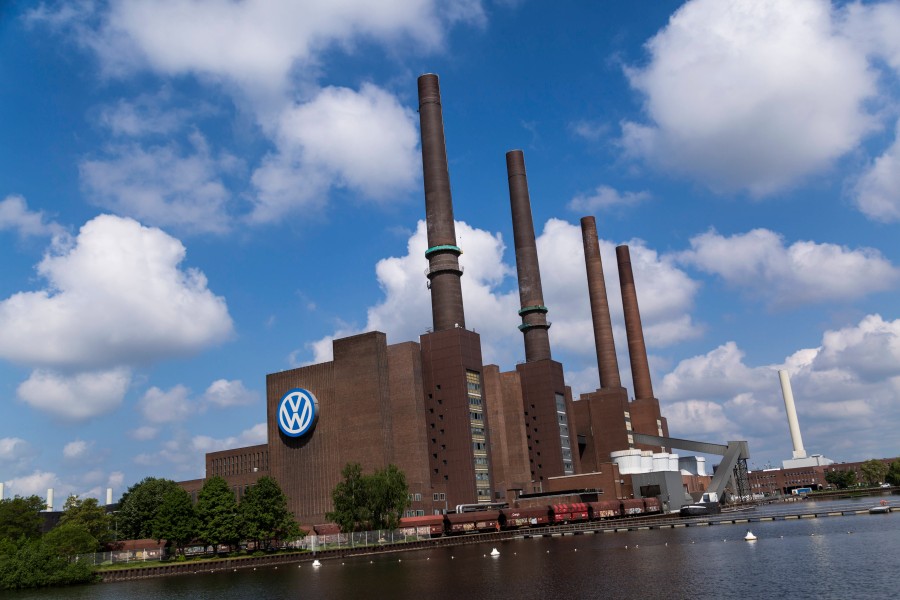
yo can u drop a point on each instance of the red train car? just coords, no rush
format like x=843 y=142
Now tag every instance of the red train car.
x=432 y=525
x=569 y=513
x=605 y=509
x=632 y=506
x=513 y=518
x=652 y=505
x=469 y=522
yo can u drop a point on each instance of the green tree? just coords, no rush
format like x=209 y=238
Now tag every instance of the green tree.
x=369 y=502
x=90 y=515
x=841 y=479
x=28 y=563
x=21 y=517
x=873 y=471
x=350 y=500
x=893 y=475
x=219 y=521
x=389 y=497
x=176 y=520
x=138 y=507
x=265 y=515
x=70 y=539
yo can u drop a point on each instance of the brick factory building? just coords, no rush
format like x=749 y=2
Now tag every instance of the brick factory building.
x=461 y=431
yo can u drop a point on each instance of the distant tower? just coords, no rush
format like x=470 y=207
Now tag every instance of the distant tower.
x=791 y=411
x=443 y=271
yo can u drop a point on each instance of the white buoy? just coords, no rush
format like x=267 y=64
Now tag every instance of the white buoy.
x=316 y=563
x=750 y=537
x=495 y=552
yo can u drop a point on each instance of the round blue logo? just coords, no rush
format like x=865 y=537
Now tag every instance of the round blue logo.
x=298 y=412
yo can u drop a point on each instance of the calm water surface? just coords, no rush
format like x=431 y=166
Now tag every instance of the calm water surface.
x=829 y=557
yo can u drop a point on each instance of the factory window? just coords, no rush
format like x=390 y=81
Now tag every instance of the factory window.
x=434 y=496
x=418 y=497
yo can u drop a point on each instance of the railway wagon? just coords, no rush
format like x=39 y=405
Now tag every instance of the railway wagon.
x=569 y=513
x=470 y=522
x=605 y=509
x=514 y=518
x=431 y=525
x=633 y=506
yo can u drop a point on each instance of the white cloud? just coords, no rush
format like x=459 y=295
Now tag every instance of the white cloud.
x=163 y=187
x=75 y=397
x=845 y=392
x=223 y=393
x=35 y=484
x=751 y=94
x=666 y=295
x=187 y=454
x=589 y=130
x=877 y=193
x=159 y=406
x=144 y=433
x=364 y=141
x=604 y=198
x=258 y=434
x=76 y=449
x=15 y=216
x=804 y=272
x=15 y=454
x=256 y=44
x=115 y=297
x=148 y=114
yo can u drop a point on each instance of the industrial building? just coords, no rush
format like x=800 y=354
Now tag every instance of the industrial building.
x=461 y=431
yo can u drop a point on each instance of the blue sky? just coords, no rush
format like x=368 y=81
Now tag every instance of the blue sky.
x=196 y=193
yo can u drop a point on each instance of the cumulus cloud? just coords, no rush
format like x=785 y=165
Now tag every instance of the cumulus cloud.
x=760 y=263
x=144 y=433
x=76 y=449
x=751 y=95
x=161 y=186
x=37 y=484
x=364 y=141
x=16 y=454
x=223 y=393
x=75 y=397
x=604 y=198
x=666 y=296
x=845 y=391
x=115 y=297
x=877 y=193
x=159 y=406
x=258 y=43
x=405 y=312
x=187 y=454
x=15 y=216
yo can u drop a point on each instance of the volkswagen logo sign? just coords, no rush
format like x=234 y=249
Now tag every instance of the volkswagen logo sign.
x=298 y=412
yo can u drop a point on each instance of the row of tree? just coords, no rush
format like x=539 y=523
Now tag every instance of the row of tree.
x=873 y=472
x=30 y=559
x=159 y=509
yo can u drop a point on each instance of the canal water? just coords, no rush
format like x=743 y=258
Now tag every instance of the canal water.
x=828 y=557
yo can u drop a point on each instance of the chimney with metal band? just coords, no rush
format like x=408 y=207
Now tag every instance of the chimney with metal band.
x=443 y=270
x=533 y=312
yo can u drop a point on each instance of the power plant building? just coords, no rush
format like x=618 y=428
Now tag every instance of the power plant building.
x=461 y=431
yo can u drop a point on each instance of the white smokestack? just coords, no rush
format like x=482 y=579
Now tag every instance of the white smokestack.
x=1 y=490
x=791 y=411
x=108 y=496
x=49 y=499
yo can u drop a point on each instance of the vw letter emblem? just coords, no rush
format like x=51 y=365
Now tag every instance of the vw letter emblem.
x=298 y=412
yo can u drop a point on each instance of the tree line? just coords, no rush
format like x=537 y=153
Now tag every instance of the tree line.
x=152 y=509
x=160 y=509
x=873 y=472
